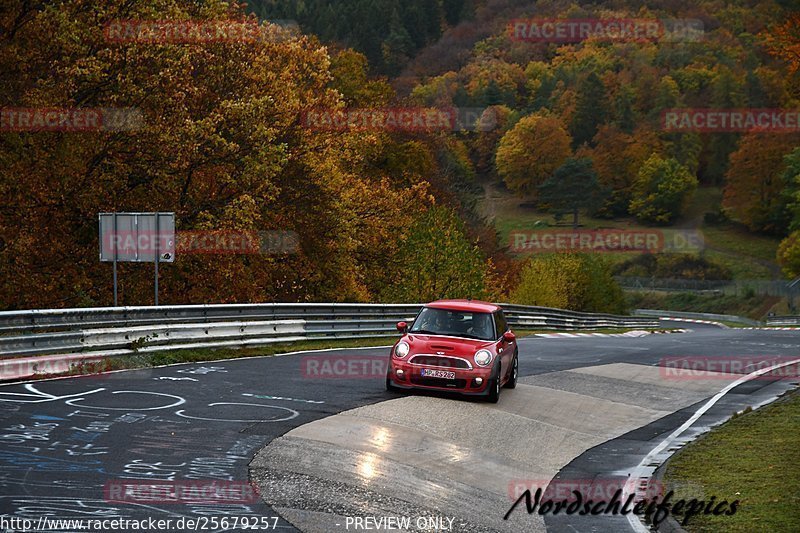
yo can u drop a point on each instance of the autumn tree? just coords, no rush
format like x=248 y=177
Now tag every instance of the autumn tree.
x=754 y=189
x=222 y=143
x=788 y=255
x=437 y=260
x=617 y=158
x=485 y=141
x=662 y=190
x=783 y=40
x=531 y=151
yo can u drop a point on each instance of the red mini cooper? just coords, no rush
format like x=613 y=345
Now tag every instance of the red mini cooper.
x=462 y=346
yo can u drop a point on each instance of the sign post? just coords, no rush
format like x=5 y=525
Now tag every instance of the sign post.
x=137 y=238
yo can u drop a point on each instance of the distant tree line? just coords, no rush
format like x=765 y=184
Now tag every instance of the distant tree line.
x=388 y=32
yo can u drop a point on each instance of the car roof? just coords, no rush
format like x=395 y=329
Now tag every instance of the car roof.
x=465 y=305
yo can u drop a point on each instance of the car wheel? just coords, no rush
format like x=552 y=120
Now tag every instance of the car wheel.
x=512 y=379
x=494 y=389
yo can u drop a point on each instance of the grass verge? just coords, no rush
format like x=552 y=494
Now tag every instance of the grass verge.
x=753 y=458
x=750 y=306
x=168 y=357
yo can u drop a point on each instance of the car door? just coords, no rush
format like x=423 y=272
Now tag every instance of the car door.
x=505 y=349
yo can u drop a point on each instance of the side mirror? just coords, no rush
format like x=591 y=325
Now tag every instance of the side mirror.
x=402 y=327
x=509 y=336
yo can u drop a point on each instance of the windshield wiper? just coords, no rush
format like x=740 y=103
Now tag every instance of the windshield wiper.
x=424 y=331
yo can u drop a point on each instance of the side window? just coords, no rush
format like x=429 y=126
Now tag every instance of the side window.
x=500 y=324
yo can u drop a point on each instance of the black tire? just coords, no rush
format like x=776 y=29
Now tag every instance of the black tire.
x=494 y=388
x=389 y=386
x=512 y=380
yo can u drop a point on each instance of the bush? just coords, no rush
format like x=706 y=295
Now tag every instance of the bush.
x=713 y=218
x=569 y=281
x=672 y=266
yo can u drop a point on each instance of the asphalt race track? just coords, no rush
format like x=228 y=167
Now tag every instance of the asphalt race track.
x=325 y=447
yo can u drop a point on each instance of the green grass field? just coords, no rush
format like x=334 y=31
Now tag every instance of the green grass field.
x=747 y=255
x=753 y=458
x=751 y=306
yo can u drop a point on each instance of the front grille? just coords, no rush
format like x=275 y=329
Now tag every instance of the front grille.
x=440 y=361
x=439 y=382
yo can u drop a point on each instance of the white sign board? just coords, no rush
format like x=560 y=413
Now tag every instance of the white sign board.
x=137 y=237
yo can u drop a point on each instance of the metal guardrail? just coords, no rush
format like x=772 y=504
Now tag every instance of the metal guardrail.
x=696 y=316
x=760 y=287
x=783 y=321
x=124 y=330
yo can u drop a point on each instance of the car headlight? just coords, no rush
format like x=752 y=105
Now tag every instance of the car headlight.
x=483 y=357
x=401 y=350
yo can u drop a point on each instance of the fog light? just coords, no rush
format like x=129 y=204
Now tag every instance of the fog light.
x=479 y=381
x=400 y=372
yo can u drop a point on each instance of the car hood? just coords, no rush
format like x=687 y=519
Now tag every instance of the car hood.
x=444 y=345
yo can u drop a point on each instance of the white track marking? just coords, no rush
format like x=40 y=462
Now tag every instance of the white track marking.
x=638 y=472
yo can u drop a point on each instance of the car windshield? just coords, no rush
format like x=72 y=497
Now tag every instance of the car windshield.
x=455 y=323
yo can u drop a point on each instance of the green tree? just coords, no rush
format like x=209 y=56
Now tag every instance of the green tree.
x=791 y=191
x=591 y=110
x=453 y=11
x=573 y=186
x=668 y=95
x=350 y=70
x=436 y=260
x=624 y=115
x=398 y=47
x=662 y=190
x=685 y=147
x=493 y=95
x=727 y=92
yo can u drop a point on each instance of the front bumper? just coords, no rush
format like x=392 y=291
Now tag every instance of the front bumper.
x=405 y=375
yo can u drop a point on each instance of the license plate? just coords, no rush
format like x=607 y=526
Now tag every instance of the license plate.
x=428 y=373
